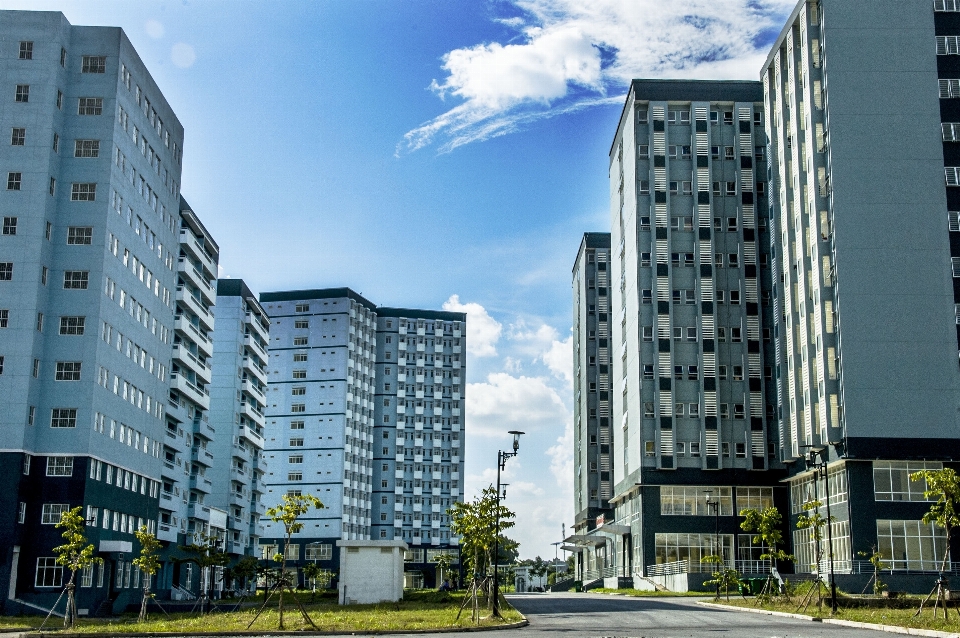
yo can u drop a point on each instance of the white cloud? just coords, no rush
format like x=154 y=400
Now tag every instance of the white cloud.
x=505 y=402
x=154 y=29
x=483 y=331
x=561 y=460
x=572 y=53
x=559 y=358
x=183 y=55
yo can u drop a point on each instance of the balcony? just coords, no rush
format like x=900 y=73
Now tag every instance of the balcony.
x=251 y=342
x=193 y=333
x=252 y=435
x=252 y=320
x=166 y=533
x=251 y=365
x=190 y=390
x=251 y=412
x=191 y=245
x=201 y=484
x=188 y=272
x=185 y=298
x=202 y=456
x=250 y=388
x=189 y=360
x=236 y=474
x=199 y=512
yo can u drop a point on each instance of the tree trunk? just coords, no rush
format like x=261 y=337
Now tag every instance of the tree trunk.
x=71 y=612
x=143 y=603
x=283 y=576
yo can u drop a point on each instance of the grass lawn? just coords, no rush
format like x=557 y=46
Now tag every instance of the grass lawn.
x=644 y=592
x=418 y=610
x=902 y=617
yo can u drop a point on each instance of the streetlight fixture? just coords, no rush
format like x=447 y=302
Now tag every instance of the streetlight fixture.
x=820 y=470
x=501 y=465
x=715 y=505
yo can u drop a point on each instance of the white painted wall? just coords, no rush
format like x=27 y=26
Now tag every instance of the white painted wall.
x=371 y=571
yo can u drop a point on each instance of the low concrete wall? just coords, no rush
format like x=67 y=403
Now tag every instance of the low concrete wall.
x=673 y=582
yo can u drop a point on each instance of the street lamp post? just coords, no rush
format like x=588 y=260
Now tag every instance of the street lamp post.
x=501 y=464
x=715 y=504
x=820 y=470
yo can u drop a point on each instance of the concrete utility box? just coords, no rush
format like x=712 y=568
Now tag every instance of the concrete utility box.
x=371 y=571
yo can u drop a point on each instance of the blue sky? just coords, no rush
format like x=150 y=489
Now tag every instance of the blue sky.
x=429 y=154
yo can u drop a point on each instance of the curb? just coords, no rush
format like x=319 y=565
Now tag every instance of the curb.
x=891 y=629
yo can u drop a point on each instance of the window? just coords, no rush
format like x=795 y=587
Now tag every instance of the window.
x=23 y=93
x=693 y=372
x=22 y=513
x=295 y=476
x=80 y=235
x=643 y=150
x=300 y=341
x=734 y=260
x=301 y=323
x=646 y=296
x=647 y=332
x=303 y=307
x=298 y=408
x=87 y=148
x=296 y=425
x=648 y=411
x=94 y=64
x=946 y=5
x=90 y=106
x=18 y=137
x=691 y=500
x=736 y=334
x=4 y=318
x=644 y=223
x=295 y=459
x=644 y=259
x=694 y=410
x=891 y=480
x=754 y=498
x=68 y=371
x=299 y=357
x=83 y=192
x=13 y=181
x=647 y=370
x=75 y=279
x=9 y=225
x=1 y=365
x=299 y=374
x=910 y=544
x=298 y=391
x=319 y=551
x=59 y=100
x=6 y=271
x=49 y=573
x=741 y=450
x=72 y=325
x=26 y=50
x=731 y=188
x=51 y=513
x=59 y=466
x=63 y=418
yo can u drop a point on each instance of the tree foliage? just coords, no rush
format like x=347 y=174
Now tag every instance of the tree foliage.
x=288 y=514
x=75 y=554
x=812 y=520
x=944 y=486
x=474 y=522
x=148 y=562
x=767 y=523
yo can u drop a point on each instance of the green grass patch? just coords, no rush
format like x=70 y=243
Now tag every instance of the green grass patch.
x=901 y=616
x=418 y=611
x=640 y=593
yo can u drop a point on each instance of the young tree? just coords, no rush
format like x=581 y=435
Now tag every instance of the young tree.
x=475 y=523
x=443 y=564
x=766 y=523
x=75 y=554
x=943 y=485
x=539 y=569
x=244 y=570
x=148 y=562
x=287 y=514
x=812 y=520
x=206 y=553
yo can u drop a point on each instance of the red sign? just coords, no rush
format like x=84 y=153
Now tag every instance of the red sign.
x=600 y=520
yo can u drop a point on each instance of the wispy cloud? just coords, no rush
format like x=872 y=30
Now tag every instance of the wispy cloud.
x=569 y=55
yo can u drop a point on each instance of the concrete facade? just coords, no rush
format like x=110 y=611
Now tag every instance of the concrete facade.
x=371 y=571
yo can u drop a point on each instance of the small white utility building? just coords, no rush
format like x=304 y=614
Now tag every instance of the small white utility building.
x=371 y=571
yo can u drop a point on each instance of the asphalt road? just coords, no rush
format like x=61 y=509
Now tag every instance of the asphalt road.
x=603 y=616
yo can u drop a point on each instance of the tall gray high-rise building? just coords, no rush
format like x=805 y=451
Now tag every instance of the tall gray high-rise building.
x=593 y=452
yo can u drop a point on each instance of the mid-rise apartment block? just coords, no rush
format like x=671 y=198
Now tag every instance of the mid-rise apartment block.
x=593 y=452
x=348 y=420
x=237 y=402
x=88 y=298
